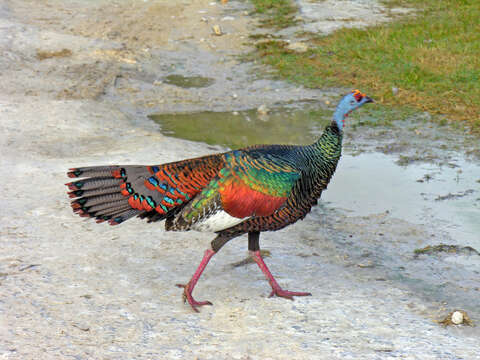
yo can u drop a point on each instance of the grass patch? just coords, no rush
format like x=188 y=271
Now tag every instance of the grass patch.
x=278 y=13
x=431 y=56
x=42 y=55
x=443 y=248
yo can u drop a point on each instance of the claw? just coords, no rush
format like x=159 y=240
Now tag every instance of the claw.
x=288 y=294
x=187 y=296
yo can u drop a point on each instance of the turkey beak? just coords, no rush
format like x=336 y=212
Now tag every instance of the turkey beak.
x=368 y=100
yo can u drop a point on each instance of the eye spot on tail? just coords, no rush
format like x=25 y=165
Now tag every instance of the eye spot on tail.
x=168 y=200
x=162 y=209
x=151 y=202
x=153 y=180
x=78 y=184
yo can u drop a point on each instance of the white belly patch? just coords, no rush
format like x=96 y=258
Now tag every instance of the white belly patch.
x=216 y=222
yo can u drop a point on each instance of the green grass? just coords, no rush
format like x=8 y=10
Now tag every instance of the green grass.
x=279 y=13
x=432 y=56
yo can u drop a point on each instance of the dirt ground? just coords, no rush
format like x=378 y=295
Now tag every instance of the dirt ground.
x=77 y=80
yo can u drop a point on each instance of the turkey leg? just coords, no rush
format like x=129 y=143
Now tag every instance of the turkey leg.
x=188 y=288
x=254 y=247
x=216 y=245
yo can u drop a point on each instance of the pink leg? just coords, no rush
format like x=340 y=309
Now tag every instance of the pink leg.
x=276 y=289
x=188 y=288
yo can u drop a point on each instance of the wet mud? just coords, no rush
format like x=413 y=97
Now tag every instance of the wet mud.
x=78 y=80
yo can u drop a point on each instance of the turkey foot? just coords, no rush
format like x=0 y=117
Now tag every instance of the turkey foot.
x=188 y=288
x=187 y=296
x=287 y=294
x=276 y=289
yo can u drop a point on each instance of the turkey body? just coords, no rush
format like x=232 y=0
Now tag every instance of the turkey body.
x=259 y=188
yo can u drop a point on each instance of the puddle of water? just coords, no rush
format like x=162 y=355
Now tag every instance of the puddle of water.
x=243 y=128
x=369 y=183
x=373 y=183
x=188 y=81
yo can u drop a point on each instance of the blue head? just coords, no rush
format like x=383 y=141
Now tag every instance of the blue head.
x=349 y=102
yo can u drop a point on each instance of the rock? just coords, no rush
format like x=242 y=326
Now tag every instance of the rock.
x=298 y=47
x=457 y=317
x=263 y=110
x=217 y=30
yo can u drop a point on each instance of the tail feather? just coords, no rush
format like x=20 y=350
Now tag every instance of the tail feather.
x=117 y=193
x=106 y=207
x=94 y=192
x=92 y=171
x=122 y=216
x=98 y=195
x=111 y=213
x=86 y=202
x=93 y=183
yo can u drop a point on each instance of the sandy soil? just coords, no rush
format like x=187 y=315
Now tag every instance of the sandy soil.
x=77 y=79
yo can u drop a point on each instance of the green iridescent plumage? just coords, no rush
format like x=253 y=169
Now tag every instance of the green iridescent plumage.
x=265 y=174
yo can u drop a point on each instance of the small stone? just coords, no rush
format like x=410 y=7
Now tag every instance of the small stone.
x=82 y=327
x=227 y=18
x=298 y=47
x=457 y=317
x=394 y=91
x=368 y=264
x=217 y=30
x=263 y=110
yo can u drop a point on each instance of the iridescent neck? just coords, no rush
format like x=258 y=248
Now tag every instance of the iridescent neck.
x=339 y=117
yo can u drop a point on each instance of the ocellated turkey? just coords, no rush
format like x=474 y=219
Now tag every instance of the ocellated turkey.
x=250 y=190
